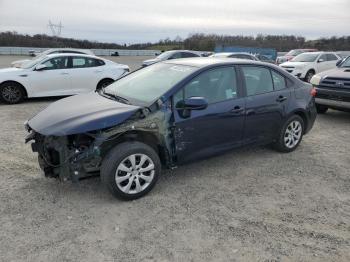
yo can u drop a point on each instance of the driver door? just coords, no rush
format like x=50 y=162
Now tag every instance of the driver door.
x=53 y=80
x=217 y=128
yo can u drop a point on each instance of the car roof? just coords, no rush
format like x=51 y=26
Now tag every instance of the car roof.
x=208 y=61
x=319 y=53
x=73 y=54
x=233 y=53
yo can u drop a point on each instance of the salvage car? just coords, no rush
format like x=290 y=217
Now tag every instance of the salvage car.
x=19 y=63
x=169 y=55
x=333 y=88
x=167 y=114
x=306 y=65
x=58 y=75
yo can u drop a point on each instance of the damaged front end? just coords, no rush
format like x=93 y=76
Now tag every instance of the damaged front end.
x=66 y=157
x=75 y=156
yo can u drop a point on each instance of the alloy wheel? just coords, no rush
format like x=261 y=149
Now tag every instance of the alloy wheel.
x=11 y=94
x=135 y=173
x=293 y=134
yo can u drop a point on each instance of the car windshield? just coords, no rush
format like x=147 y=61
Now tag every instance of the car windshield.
x=294 y=52
x=33 y=62
x=305 y=58
x=346 y=62
x=148 y=84
x=165 y=55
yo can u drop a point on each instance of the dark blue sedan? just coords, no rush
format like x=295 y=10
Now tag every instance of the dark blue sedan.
x=167 y=114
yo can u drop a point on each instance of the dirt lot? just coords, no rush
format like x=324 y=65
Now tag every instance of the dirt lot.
x=248 y=205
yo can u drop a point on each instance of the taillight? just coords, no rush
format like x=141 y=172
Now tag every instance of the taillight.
x=313 y=92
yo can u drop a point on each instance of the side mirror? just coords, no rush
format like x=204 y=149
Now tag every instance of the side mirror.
x=193 y=103
x=320 y=60
x=40 y=67
x=185 y=107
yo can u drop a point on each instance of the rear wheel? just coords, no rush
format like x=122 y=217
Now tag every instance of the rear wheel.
x=12 y=93
x=104 y=83
x=291 y=134
x=130 y=170
x=321 y=109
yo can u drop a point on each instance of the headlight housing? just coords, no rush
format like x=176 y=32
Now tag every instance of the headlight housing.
x=315 y=80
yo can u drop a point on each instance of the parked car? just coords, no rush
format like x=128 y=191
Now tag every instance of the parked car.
x=291 y=54
x=168 y=114
x=19 y=63
x=168 y=55
x=236 y=55
x=58 y=75
x=306 y=65
x=264 y=58
x=333 y=88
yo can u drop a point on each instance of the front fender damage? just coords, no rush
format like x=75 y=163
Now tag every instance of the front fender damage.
x=77 y=156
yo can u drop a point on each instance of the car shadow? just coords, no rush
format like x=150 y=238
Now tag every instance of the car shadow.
x=49 y=99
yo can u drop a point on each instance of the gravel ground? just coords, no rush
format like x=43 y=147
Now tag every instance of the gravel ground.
x=247 y=205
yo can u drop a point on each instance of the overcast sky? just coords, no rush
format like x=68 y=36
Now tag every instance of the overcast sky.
x=131 y=21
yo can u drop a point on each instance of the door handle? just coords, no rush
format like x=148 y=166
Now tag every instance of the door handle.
x=64 y=73
x=237 y=110
x=281 y=99
x=98 y=71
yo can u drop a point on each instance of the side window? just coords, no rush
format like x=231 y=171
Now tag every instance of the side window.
x=279 y=81
x=78 y=62
x=324 y=57
x=175 y=56
x=56 y=63
x=215 y=85
x=247 y=57
x=99 y=62
x=257 y=80
x=184 y=55
x=331 y=57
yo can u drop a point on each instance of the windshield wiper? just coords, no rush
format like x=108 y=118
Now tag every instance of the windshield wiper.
x=116 y=97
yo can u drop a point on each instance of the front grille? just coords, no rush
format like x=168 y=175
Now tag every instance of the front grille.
x=336 y=82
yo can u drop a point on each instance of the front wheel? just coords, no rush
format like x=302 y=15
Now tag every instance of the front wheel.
x=291 y=134
x=11 y=93
x=308 y=76
x=130 y=170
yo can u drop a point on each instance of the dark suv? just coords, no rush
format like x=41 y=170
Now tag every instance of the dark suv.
x=167 y=114
x=333 y=88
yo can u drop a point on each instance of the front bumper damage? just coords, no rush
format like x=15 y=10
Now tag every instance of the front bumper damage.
x=61 y=157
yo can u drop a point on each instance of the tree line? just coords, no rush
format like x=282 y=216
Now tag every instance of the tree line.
x=200 y=42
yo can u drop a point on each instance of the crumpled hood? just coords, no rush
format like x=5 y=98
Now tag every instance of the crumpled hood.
x=336 y=72
x=79 y=114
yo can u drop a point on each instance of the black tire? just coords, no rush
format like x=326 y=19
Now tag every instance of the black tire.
x=116 y=157
x=12 y=93
x=309 y=75
x=281 y=144
x=321 y=109
x=104 y=83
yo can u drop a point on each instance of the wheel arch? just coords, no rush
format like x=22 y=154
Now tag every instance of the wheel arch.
x=104 y=79
x=303 y=115
x=14 y=81
x=146 y=137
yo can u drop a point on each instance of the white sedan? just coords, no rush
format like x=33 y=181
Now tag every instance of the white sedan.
x=58 y=75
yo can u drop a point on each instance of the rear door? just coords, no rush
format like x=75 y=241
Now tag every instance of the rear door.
x=332 y=60
x=85 y=74
x=220 y=125
x=267 y=98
